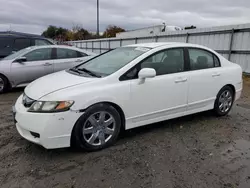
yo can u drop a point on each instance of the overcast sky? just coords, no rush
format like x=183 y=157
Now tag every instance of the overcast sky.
x=34 y=16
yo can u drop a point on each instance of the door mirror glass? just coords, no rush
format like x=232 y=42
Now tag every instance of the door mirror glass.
x=147 y=73
x=21 y=59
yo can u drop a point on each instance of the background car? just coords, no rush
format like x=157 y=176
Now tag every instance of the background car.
x=127 y=87
x=30 y=63
x=11 y=42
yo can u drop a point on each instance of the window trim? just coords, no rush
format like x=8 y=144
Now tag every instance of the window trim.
x=122 y=77
x=51 y=57
x=54 y=54
x=202 y=49
x=79 y=54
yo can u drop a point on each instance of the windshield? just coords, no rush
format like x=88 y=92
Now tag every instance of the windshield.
x=112 y=61
x=17 y=54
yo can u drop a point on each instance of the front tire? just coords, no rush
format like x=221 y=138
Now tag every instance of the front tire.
x=3 y=84
x=97 y=128
x=224 y=101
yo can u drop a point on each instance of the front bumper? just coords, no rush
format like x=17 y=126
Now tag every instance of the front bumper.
x=54 y=129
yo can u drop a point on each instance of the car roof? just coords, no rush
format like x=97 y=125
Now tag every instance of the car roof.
x=62 y=46
x=167 y=44
x=13 y=34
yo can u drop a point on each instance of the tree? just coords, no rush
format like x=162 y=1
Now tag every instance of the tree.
x=112 y=30
x=61 y=31
x=50 y=32
x=61 y=34
x=80 y=33
x=69 y=36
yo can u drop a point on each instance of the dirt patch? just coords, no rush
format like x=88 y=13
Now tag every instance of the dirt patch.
x=195 y=151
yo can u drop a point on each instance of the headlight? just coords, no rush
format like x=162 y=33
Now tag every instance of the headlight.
x=50 y=106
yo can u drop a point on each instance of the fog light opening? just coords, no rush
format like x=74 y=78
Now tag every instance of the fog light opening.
x=36 y=135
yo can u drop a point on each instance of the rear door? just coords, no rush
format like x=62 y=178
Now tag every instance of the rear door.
x=39 y=63
x=67 y=58
x=204 y=79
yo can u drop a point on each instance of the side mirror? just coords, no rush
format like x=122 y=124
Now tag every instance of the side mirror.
x=146 y=73
x=21 y=59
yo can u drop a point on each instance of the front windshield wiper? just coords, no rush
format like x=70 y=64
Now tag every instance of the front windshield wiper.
x=90 y=72
x=75 y=70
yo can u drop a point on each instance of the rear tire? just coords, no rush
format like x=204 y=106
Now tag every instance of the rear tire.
x=224 y=101
x=97 y=128
x=3 y=84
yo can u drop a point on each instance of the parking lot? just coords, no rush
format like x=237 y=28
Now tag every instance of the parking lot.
x=194 y=151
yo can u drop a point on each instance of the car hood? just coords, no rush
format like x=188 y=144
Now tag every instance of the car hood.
x=54 y=82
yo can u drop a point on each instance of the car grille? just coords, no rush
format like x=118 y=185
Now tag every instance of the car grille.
x=27 y=102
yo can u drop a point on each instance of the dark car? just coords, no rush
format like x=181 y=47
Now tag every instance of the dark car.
x=11 y=42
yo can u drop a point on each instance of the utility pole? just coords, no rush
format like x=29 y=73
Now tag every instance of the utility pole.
x=97 y=32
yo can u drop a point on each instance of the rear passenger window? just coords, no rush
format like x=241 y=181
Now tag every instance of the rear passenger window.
x=66 y=53
x=216 y=61
x=201 y=59
x=21 y=43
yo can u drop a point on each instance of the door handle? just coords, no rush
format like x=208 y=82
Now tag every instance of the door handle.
x=215 y=74
x=181 y=80
x=47 y=64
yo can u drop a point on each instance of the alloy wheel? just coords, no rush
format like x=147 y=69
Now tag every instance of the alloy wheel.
x=99 y=128
x=1 y=84
x=225 y=101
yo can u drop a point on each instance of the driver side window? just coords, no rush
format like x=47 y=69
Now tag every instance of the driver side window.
x=39 y=55
x=165 y=62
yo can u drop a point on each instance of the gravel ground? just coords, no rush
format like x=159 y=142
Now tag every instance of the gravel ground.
x=194 y=151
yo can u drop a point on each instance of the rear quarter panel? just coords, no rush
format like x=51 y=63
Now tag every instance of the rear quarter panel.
x=232 y=74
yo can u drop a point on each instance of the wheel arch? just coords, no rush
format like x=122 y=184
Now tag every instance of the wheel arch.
x=227 y=85
x=120 y=111
x=232 y=87
x=116 y=106
x=9 y=84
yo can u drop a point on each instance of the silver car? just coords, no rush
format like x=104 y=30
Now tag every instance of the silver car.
x=24 y=66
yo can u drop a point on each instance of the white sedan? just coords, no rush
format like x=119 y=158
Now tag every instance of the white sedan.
x=127 y=87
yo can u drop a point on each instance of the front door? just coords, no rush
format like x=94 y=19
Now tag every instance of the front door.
x=162 y=97
x=39 y=63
